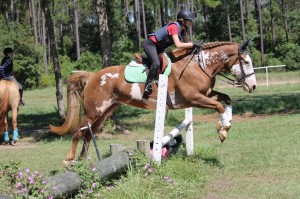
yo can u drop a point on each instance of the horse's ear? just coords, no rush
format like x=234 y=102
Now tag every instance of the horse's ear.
x=243 y=47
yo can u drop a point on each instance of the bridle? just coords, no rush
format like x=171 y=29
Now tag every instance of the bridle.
x=238 y=82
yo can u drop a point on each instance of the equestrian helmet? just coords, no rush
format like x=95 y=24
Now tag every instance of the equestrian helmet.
x=186 y=15
x=7 y=50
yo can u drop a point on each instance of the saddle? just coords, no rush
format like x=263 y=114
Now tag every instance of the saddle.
x=136 y=71
x=141 y=59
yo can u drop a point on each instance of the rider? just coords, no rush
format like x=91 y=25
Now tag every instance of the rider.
x=164 y=37
x=6 y=70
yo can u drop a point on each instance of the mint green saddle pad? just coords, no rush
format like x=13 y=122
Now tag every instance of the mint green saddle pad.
x=135 y=73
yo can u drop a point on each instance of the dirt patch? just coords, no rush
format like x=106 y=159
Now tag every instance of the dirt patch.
x=24 y=143
x=236 y=118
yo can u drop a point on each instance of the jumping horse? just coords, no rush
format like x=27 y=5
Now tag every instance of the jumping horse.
x=9 y=101
x=190 y=84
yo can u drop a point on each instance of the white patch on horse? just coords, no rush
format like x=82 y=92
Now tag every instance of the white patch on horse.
x=107 y=75
x=236 y=70
x=136 y=92
x=104 y=106
x=224 y=56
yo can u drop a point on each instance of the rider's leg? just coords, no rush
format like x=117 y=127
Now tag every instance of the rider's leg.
x=20 y=91
x=21 y=97
x=152 y=53
x=150 y=78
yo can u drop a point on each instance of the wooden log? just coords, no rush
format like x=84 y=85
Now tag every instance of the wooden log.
x=144 y=147
x=6 y=196
x=64 y=183
x=69 y=182
x=115 y=148
x=112 y=164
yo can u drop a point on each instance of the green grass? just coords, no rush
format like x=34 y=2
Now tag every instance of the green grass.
x=260 y=159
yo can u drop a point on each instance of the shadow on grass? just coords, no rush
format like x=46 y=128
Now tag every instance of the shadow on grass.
x=37 y=125
x=268 y=104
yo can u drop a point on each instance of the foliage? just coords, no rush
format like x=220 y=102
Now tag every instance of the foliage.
x=211 y=25
x=26 y=184
x=88 y=61
x=123 y=50
x=90 y=180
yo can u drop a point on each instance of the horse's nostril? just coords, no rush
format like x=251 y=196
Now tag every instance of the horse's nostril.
x=254 y=87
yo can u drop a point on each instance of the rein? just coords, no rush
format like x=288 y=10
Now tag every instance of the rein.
x=193 y=52
x=237 y=82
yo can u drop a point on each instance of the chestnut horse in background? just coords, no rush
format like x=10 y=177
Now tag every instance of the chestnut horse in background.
x=190 y=84
x=9 y=101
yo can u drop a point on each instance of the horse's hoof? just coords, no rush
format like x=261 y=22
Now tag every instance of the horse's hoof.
x=223 y=131
x=66 y=163
x=14 y=144
x=222 y=135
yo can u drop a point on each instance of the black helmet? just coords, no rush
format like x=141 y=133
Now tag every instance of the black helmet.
x=7 y=50
x=185 y=14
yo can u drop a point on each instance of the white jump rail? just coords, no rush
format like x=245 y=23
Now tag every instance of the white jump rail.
x=159 y=138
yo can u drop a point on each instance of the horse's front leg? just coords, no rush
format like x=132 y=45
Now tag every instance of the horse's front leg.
x=202 y=101
x=221 y=97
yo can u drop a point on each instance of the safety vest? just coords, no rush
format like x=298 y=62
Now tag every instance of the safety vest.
x=164 y=39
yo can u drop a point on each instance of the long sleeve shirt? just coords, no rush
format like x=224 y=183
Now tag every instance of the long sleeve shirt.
x=6 y=67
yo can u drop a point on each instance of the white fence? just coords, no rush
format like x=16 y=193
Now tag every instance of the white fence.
x=267 y=73
x=159 y=138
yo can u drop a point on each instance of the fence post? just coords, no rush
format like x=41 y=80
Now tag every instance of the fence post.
x=160 y=117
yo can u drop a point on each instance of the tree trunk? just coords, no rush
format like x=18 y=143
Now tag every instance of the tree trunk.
x=162 y=13
x=272 y=22
x=61 y=35
x=33 y=16
x=191 y=28
x=144 y=20
x=54 y=55
x=44 y=44
x=228 y=22
x=104 y=32
x=258 y=6
x=242 y=20
x=34 y=23
x=76 y=30
x=284 y=21
x=166 y=11
x=137 y=23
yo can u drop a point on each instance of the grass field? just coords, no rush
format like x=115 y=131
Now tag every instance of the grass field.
x=260 y=159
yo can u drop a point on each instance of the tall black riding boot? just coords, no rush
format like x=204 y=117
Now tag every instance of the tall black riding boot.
x=21 y=103
x=148 y=84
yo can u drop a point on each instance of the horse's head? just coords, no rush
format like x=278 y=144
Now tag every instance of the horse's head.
x=243 y=70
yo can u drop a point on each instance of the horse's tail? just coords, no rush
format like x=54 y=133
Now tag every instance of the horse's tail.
x=75 y=87
x=3 y=108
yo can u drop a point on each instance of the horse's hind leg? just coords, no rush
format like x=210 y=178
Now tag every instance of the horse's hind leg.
x=6 y=136
x=95 y=128
x=76 y=138
x=14 y=114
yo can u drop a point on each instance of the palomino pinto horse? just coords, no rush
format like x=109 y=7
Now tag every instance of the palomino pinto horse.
x=190 y=85
x=9 y=100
